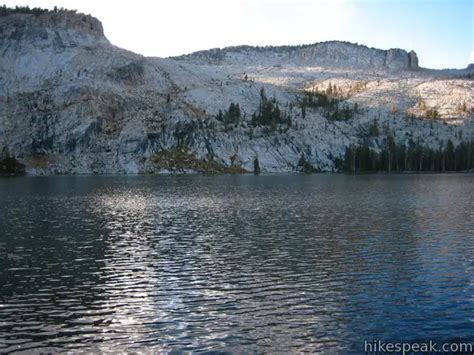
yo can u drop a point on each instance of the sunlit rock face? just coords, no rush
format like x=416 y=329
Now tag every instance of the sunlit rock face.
x=330 y=54
x=71 y=102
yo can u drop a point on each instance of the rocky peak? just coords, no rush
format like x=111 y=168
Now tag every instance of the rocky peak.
x=412 y=60
x=28 y=24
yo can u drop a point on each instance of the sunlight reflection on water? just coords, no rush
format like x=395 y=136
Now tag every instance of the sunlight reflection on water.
x=268 y=263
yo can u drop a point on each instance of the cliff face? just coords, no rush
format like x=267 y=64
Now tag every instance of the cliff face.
x=329 y=54
x=70 y=102
x=35 y=48
x=29 y=26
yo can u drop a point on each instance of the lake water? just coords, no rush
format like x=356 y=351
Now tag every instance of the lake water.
x=235 y=263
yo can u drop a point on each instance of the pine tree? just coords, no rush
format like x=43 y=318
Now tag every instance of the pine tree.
x=220 y=116
x=256 y=166
x=374 y=128
x=450 y=156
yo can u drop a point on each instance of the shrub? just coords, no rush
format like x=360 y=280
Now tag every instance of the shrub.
x=9 y=166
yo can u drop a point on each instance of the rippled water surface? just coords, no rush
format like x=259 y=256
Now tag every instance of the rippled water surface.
x=235 y=263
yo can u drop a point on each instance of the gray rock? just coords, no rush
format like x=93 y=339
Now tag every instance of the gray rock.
x=71 y=102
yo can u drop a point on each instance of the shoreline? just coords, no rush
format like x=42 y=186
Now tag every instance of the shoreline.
x=197 y=173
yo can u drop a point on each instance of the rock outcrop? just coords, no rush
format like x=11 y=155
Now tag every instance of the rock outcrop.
x=70 y=102
x=330 y=54
x=412 y=60
x=29 y=26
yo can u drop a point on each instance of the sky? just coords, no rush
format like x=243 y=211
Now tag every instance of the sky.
x=440 y=31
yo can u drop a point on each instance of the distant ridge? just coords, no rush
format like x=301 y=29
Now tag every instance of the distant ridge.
x=336 y=52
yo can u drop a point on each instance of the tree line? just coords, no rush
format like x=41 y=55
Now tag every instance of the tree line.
x=330 y=101
x=413 y=157
x=37 y=11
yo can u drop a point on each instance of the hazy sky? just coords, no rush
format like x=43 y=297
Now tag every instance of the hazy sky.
x=440 y=31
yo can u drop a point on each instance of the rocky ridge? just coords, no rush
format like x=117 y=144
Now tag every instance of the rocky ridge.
x=330 y=54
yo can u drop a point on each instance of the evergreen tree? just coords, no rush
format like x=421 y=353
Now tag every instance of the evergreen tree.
x=374 y=129
x=304 y=166
x=450 y=156
x=232 y=115
x=391 y=151
x=349 y=159
x=220 y=116
x=9 y=166
x=269 y=113
x=256 y=166
x=411 y=157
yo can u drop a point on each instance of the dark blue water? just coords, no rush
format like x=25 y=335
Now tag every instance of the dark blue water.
x=283 y=263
